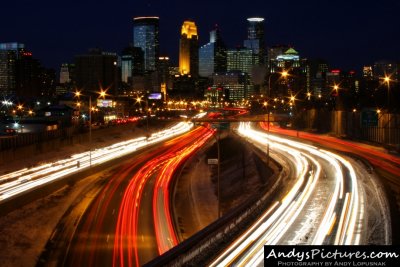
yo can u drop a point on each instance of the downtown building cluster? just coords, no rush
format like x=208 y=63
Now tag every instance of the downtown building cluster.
x=212 y=71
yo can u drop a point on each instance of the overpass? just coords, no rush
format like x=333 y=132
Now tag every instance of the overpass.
x=243 y=118
x=246 y=118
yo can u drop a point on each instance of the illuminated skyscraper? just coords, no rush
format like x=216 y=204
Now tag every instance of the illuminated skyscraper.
x=212 y=56
x=20 y=73
x=132 y=62
x=244 y=60
x=241 y=59
x=189 y=50
x=255 y=37
x=145 y=36
x=298 y=71
x=9 y=53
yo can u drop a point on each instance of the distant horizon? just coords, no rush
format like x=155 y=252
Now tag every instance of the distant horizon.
x=346 y=35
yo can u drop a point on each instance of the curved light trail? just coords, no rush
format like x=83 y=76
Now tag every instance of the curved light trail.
x=162 y=169
x=378 y=158
x=18 y=182
x=338 y=219
x=165 y=233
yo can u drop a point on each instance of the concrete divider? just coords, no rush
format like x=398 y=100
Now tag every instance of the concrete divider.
x=201 y=247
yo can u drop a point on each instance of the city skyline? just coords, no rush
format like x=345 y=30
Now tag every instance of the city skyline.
x=348 y=35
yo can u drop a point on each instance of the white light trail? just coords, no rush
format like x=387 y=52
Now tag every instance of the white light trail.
x=27 y=179
x=278 y=220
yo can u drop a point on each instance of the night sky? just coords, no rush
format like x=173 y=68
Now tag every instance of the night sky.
x=347 y=33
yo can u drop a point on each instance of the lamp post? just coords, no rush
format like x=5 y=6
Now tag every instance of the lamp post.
x=387 y=81
x=90 y=131
x=78 y=104
x=218 y=176
x=138 y=100
x=267 y=108
x=284 y=74
x=102 y=94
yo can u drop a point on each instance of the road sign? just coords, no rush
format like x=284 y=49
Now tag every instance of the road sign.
x=212 y=161
x=221 y=125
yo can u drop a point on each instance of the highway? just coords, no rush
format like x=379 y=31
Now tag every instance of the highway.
x=28 y=179
x=126 y=220
x=324 y=202
x=385 y=164
x=129 y=221
x=377 y=157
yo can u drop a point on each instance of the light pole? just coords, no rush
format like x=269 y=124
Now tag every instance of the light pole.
x=387 y=81
x=138 y=100
x=90 y=131
x=218 y=176
x=284 y=74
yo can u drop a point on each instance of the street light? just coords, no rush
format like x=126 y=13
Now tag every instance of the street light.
x=90 y=131
x=387 y=80
x=138 y=100
x=77 y=94
x=284 y=74
x=103 y=93
x=336 y=88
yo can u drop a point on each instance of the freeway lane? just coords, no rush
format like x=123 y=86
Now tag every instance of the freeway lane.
x=325 y=205
x=385 y=164
x=125 y=225
x=17 y=183
x=377 y=157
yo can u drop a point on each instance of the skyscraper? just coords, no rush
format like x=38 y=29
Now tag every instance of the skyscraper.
x=20 y=73
x=9 y=53
x=145 y=36
x=244 y=60
x=95 y=71
x=212 y=56
x=255 y=37
x=132 y=63
x=189 y=50
x=66 y=73
x=298 y=77
x=241 y=59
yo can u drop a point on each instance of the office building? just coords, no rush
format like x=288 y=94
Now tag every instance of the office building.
x=241 y=59
x=22 y=75
x=7 y=72
x=67 y=73
x=189 y=50
x=9 y=53
x=298 y=74
x=235 y=85
x=146 y=37
x=95 y=71
x=212 y=56
x=255 y=38
x=132 y=63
